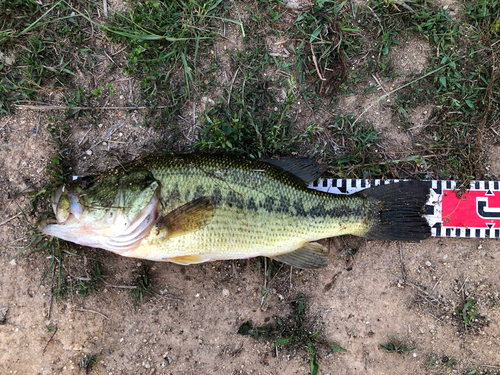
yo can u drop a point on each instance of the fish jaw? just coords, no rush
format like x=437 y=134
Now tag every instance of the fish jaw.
x=121 y=236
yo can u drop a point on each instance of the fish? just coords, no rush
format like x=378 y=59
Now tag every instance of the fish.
x=195 y=208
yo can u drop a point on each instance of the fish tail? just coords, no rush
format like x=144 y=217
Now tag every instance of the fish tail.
x=396 y=211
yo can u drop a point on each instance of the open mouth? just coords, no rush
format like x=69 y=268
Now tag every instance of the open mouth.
x=66 y=205
x=118 y=234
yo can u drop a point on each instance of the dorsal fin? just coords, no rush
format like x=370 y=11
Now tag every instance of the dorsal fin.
x=308 y=170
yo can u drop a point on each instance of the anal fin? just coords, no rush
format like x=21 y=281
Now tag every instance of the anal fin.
x=310 y=256
x=188 y=259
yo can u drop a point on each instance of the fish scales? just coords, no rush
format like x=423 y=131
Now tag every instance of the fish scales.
x=260 y=209
x=194 y=208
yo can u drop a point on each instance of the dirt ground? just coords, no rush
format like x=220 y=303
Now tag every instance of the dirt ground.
x=372 y=291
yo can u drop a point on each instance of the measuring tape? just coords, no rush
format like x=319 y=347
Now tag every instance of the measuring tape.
x=476 y=214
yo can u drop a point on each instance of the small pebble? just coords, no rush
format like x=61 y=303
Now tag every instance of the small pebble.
x=88 y=152
x=428 y=264
x=225 y=292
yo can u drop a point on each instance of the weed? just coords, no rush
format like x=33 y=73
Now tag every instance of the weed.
x=355 y=158
x=88 y=286
x=55 y=170
x=467 y=312
x=88 y=361
x=327 y=41
x=143 y=285
x=38 y=46
x=250 y=120
x=51 y=328
x=444 y=362
x=163 y=37
x=51 y=249
x=271 y=269
x=397 y=347
x=462 y=86
x=291 y=331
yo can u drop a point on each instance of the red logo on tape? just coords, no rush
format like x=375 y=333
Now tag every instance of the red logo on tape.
x=475 y=209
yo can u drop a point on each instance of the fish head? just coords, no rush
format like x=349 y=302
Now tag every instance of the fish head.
x=114 y=211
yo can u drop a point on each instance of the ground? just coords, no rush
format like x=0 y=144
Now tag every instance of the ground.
x=187 y=321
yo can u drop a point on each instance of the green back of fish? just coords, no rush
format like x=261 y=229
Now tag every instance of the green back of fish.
x=256 y=209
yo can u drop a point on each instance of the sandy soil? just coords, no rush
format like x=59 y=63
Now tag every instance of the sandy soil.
x=387 y=290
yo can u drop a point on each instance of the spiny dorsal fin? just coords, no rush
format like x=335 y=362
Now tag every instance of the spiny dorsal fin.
x=189 y=217
x=308 y=170
x=311 y=255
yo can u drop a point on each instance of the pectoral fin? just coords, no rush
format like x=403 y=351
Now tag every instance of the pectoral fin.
x=311 y=255
x=188 y=259
x=187 y=218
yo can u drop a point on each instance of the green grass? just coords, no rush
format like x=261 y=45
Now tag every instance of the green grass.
x=254 y=123
x=445 y=362
x=143 y=285
x=467 y=312
x=166 y=44
x=41 y=46
x=292 y=331
x=88 y=361
x=174 y=49
x=328 y=40
x=397 y=347
x=95 y=279
x=463 y=87
x=48 y=248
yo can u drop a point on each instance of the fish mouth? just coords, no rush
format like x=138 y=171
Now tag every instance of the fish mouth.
x=66 y=205
x=121 y=235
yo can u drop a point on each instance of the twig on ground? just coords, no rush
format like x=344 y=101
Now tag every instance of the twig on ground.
x=435 y=317
x=429 y=296
x=51 y=337
x=316 y=63
x=116 y=53
x=462 y=289
x=52 y=290
x=231 y=85
x=9 y=219
x=109 y=57
x=379 y=83
x=79 y=143
x=93 y=311
x=437 y=283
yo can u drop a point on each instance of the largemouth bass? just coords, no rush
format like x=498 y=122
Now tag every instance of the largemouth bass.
x=196 y=208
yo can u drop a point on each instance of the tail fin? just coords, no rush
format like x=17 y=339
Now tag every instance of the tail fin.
x=397 y=211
